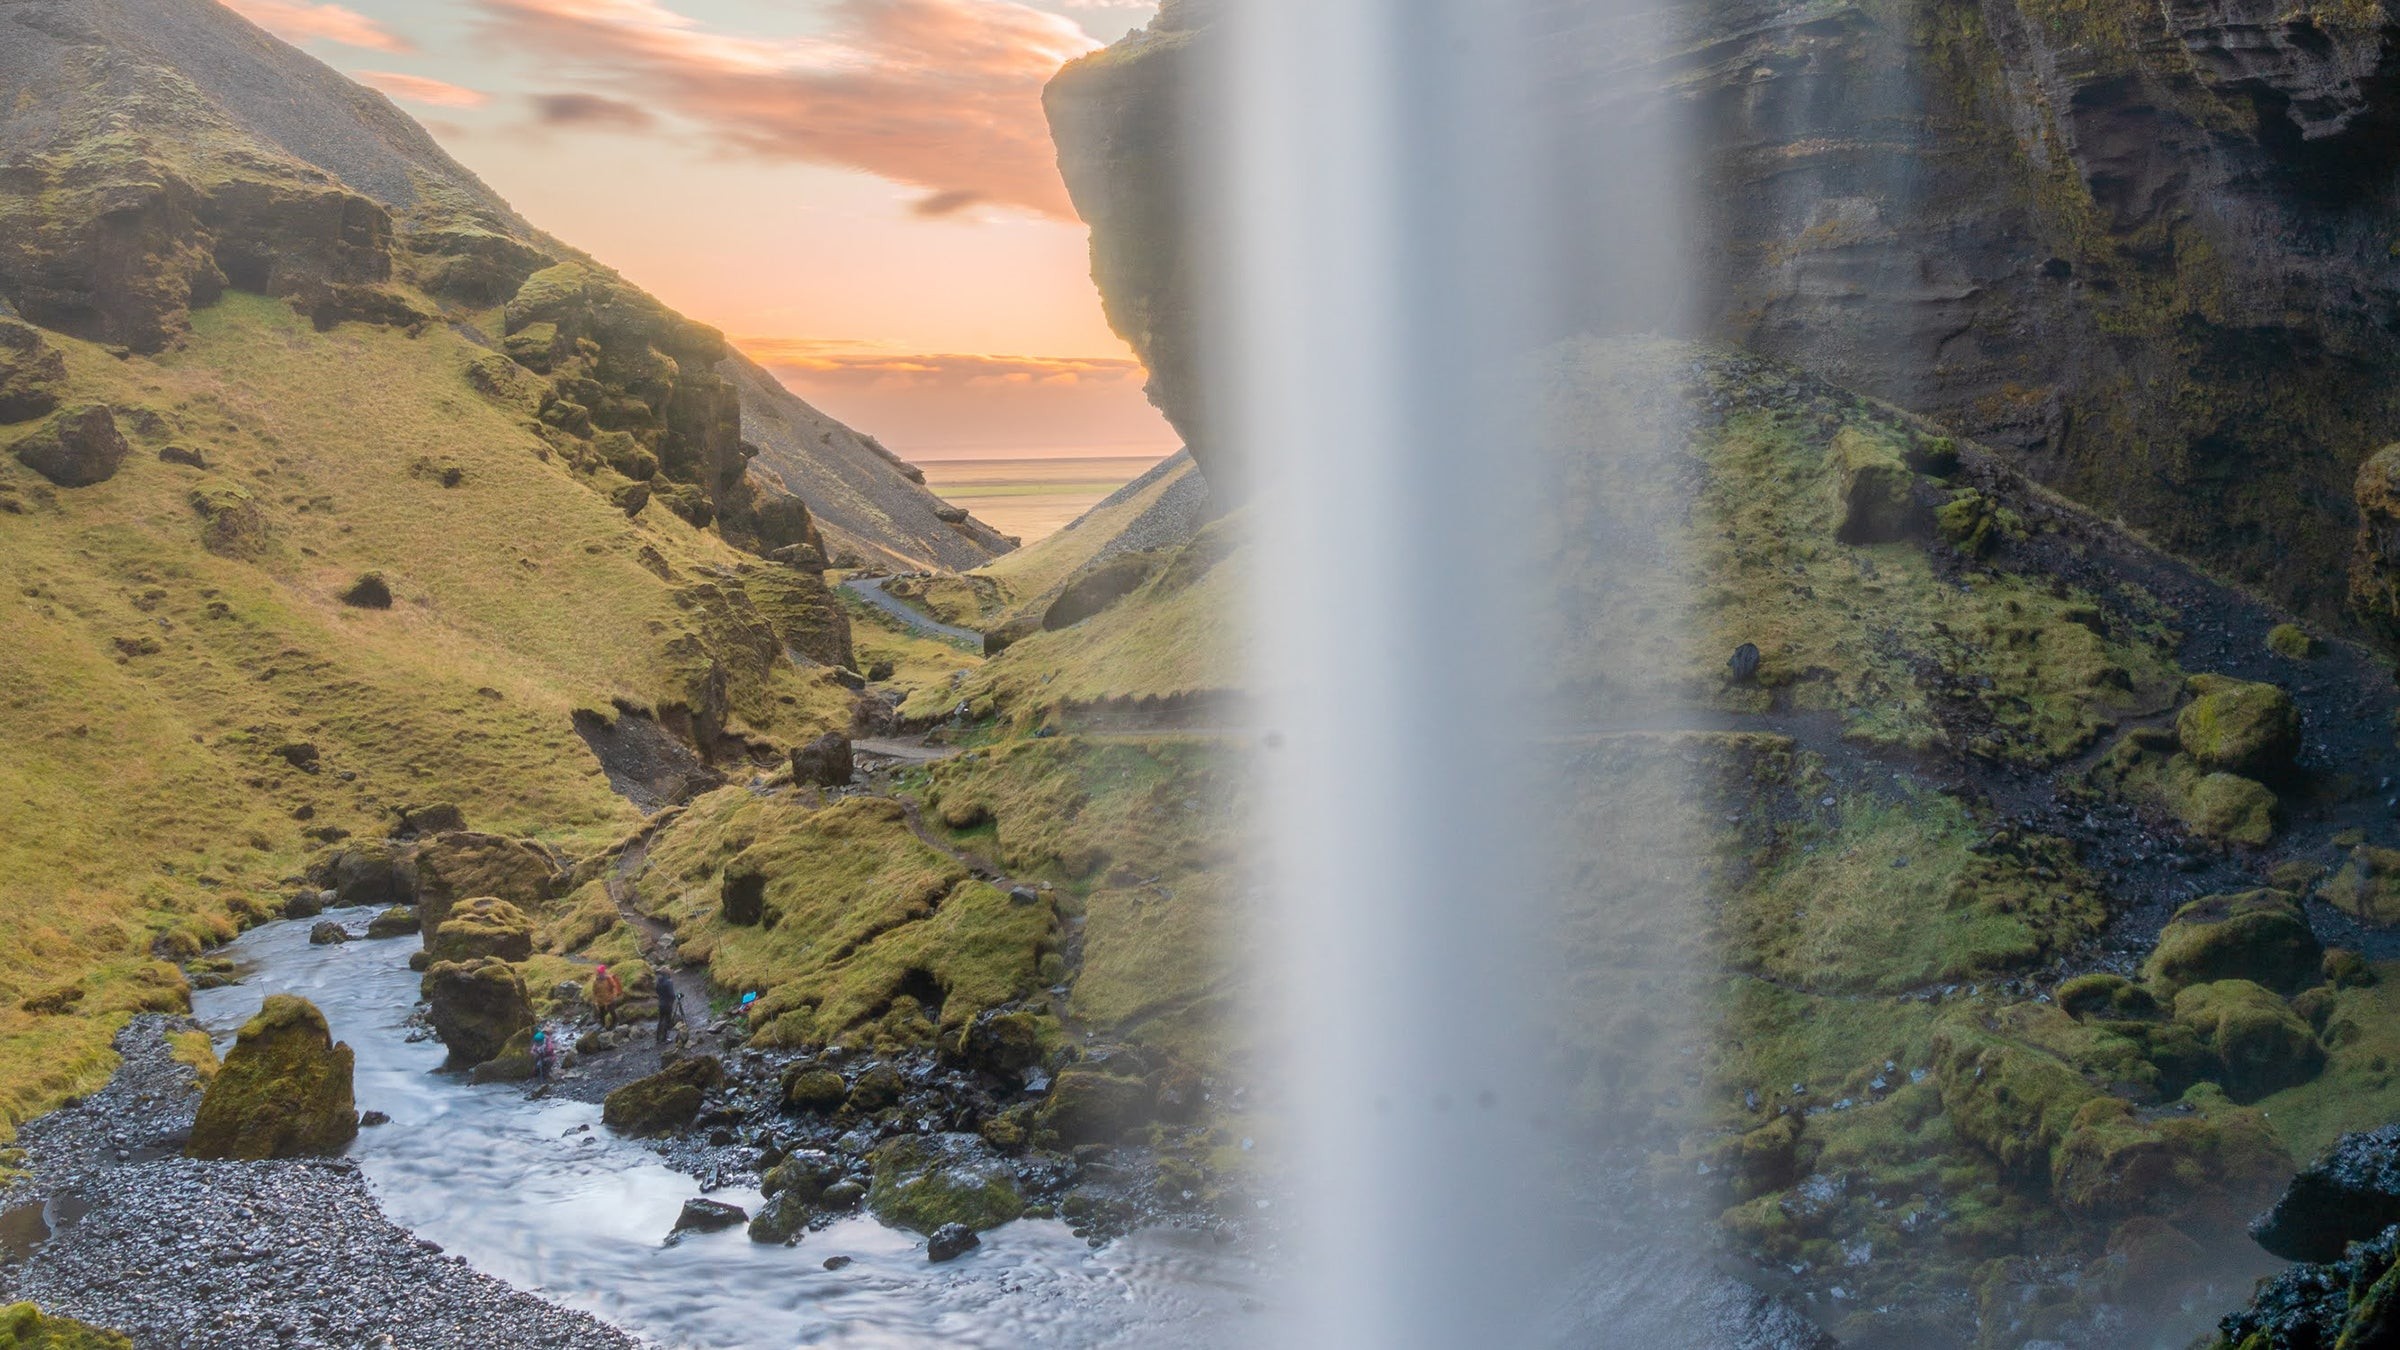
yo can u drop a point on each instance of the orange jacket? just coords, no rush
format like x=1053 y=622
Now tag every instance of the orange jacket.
x=605 y=987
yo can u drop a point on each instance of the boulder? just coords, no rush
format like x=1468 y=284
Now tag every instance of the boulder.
x=1092 y=1106
x=2352 y=1303
x=2368 y=886
x=783 y=1219
x=824 y=762
x=431 y=818
x=2260 y=936
x=951 y=1241
x=398 y=921
x=32 y=372
x=803 y=1175
x=365 y=874
x=461 y=864
x=876 y=1089
x=2261 y=1043
x=703 y=1215
x=77 y=447
x=2349 y=1195
x=283 y=1091
x=1874 y=487
x=304 y=904
x=2221 y=806
x=25 y=1327
x=2293 y=643
x=484 y=926
x=1003 y=1043
x=231 y=525
x=2237 y=726
x=327 y=933
x=812 y=1087
x=514 y=1063
x=476 y=1008
x=925 y=1182
x=665 y=1101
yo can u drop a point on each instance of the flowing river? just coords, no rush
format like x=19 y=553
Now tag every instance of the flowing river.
x=538 y=1194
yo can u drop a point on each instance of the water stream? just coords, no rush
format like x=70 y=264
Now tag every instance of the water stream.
x=538 y=1194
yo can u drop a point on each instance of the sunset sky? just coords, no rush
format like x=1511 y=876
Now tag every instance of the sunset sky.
x=859 y=192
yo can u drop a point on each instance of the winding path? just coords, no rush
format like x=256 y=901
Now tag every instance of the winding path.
x=870 y=589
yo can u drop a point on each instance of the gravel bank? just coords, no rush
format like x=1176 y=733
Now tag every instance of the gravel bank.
x=180 y=1253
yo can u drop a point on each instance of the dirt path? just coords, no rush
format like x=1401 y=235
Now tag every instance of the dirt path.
x=870 y=589
x=656 y=940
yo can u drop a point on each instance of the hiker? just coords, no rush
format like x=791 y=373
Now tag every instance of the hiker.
x=545 y=1056
x=606 y=991
x=666 y=1006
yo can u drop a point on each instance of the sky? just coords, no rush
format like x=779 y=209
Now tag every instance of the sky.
x=860 y=193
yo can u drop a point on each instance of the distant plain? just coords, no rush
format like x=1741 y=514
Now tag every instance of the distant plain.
x=1032 y=498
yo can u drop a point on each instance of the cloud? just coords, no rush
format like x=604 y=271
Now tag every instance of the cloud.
x=840 y=362
x=420 y=89
x=944 y=95
x=591 y=110
x=294 y=21
x=945 y=404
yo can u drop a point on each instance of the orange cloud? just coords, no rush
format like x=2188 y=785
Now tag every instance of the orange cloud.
x=941 y=94
x=294 y=21
x=835 y=361
x=419 y=89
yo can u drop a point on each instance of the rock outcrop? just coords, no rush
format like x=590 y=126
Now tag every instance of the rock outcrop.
x=480 y=928
x=664 y=1101
x=283 y=1090
x=476 y=1008
x=32 y=373
x=2349 y=1195
x=928 y=1182
x=463 y=864
x=77 y=447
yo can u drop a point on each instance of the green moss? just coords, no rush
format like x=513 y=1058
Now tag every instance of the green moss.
x=2237 y=726
x=2292 y=642
x=25 y=1327
x=2256 y=935
x=482 y=927
x=283 y=1090
x=2262 y=1045
x=2360 y=1085
x=1089 y=1106
x=664 y=1101
x=2368 y=885
x=923 y=1182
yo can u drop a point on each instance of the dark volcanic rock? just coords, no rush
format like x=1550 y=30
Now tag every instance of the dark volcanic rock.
x=476 y=1008
x=326 y=932
x=75 y=448
x=951 y=1241
x=824 y=762
x=2346 y=1304
x=283 y=1091
x=703 y=1215
x=2349 y=1195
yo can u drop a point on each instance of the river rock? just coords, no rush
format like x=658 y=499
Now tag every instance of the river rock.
x=2351 y=1303
x=398 y=921
x=327 y=933
x=462 y=865
x=824 y=762
x=1092 y=1106
x=2349 y=1195
x=481 y=927
x=876 y=1089
x=667 y=1100
x=476 y=1008
x=803 y=1175
x=1003 y=1043
x=783 y=1219
x=77 y=447
x=2237 y=726
x=951 y=1241
x=283 y=1091
x=304 y=904
x=703 y=1215
x=928 y=1182
x=813 y=1087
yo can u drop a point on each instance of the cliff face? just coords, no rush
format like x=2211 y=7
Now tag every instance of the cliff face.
x=2147 y=249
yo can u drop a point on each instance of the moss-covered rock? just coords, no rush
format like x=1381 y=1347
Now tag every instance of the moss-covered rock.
x=2222 y=806
x=2292 y=642
x=1090 y=1106
x=876 y=1089
x=398 y=921
x=514 y=1063
x=486 y=926
x=1875 y=487
x=231 y=525
x=2259 y=936
x=2104 y=995
x=2368 y=886
x=2239 y=726
x=77 y=447
x=476 y=1008
x=666 y=1100
x=24 y=1327
x=33 y=374
x=283 y=1091
x=2261 y=1043
x=923 y=1182
x=366 y=873
x=813 y=1087
x=462 y=864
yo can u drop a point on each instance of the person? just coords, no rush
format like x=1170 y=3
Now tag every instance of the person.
x=666 y=1005
x=545 y=1055
x=606 y=991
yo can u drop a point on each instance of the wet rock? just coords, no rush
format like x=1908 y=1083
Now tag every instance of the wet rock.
x=476 y=1008
x=283 y=1091
x=951 y=1241
x=1091 y=1106
x=77 y=447
x=783 y=1219
x=929 y=1182
x=2259 y=936
x=2352 y=1303
x=304 y=904
x=1004 y=1043
x=838 y=1262
x=398 y=921
x=804 y=1175
x=2349 y=1195
x=813 y=1087
x=327 y=933
x=514 y=1063
x=876 y=1089
x=483 y=927
x=842 y=1196
x=666 y=1100
x=2240 y=727
x=2262 y=1044
x=703 y=1215
x=32 y=372
x=826 y=761
x=368 y=1120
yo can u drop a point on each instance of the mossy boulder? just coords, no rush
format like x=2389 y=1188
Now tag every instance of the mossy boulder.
x=477 y=1008
x=2292 y=642
x=1093 y=1106
x=231 y=525
x=2262 y=1044
x=32 y=373
x=876 y=1089
x=923 y=1182
x=283 y=1091
x=514 y=1063
x=25 y=1327
x=1875 y=488
x=463 y=864
x=2104 y=995
x=2260 y=936
x=1003 y=1043
x=2239 y=726
x=2219 y=805
x=481 y=927
x=398 y=921
x=367 y=873
x=804 y=1174
x=77 y=447
x=813 y=1087
x=782 y=1220
x=2368 y=886
x=665 y=1101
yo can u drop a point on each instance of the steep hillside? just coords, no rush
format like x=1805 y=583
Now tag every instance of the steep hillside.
x=2145 y=249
